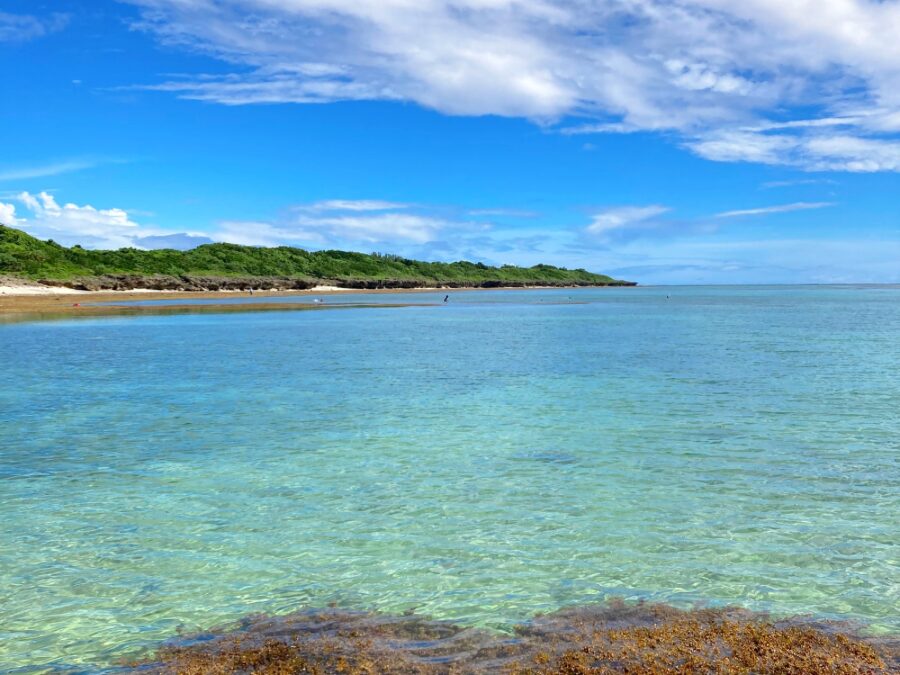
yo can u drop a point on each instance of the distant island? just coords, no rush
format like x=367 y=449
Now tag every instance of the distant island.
x=213 y=267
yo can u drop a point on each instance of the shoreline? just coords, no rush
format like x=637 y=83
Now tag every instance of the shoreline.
x=33 y=302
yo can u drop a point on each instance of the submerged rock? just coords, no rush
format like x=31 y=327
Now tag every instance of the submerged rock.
x=648 y=639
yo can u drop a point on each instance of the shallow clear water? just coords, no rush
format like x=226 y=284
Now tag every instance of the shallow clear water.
x=507 y=453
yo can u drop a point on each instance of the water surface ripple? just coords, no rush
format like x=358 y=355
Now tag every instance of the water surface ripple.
x=506 y=453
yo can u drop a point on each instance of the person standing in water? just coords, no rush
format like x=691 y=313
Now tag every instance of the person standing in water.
x=446 y=298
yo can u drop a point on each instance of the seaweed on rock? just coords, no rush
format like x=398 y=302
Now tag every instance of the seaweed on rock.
x=642 y=639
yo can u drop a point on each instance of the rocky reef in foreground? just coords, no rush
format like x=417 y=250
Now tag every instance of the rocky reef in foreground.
x=642 y=639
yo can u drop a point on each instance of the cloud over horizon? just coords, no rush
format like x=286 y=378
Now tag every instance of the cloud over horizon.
x=68 y=224
x=641 y=242
x=337 y=223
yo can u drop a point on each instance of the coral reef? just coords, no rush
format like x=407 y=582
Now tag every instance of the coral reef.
x=642 y=639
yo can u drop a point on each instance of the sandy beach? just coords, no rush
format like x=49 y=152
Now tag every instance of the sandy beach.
x=22 y=301
x=30 y=290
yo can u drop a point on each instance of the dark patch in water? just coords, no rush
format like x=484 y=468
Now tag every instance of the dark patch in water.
x=648 y=639
x=548 y=456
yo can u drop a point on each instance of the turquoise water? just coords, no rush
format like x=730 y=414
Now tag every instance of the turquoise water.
x=506 y=453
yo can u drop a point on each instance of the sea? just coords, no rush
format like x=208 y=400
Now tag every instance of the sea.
x=479 y=460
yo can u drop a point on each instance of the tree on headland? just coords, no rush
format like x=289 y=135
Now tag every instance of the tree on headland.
x=26 y=256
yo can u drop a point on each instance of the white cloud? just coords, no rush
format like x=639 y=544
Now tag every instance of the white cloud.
x=46 y=170
x=381 y=228
x=503 y=213
x=622 y=225
x=616 y=222
x=85 y=225
x=8 y=215
x=352 y=205
x=336 y=223
x=814 y=151
x=449 y=240
x=747 y=146
x=743 y=260
x=798 y=260
x=260 y=233
x=780 y=208
x=796 y=182
x=341 y=223
x=852 y=153
x=722 y=75
x=645 y=243
x=48 y=219
x=181 y=241
x=23 y=27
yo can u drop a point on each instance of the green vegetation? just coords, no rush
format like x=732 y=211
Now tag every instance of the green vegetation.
x=25 y=256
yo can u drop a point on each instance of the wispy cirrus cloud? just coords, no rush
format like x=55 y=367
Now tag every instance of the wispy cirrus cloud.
x=789 y=260
x=503 y=213
x=333 y=231
x=811 y=84
x=347 y=223
x=621 y=225
x=621 y=222
x=420 y=231
x=373 y=229
x=773 y=184
x=779 y=208
x=24 y=27
x=351 y=205
x=51 y=169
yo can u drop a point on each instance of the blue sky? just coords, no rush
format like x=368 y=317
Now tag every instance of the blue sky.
x=690 y=142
